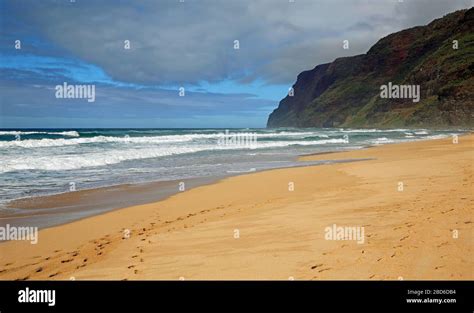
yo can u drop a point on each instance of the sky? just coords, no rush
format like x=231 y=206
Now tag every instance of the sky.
x=234 y=59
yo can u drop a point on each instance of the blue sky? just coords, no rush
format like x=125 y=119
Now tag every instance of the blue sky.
x=175 y=44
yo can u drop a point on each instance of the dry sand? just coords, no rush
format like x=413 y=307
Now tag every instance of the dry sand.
x=409 y=234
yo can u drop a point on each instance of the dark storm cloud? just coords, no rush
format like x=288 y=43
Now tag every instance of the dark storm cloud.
x=190 y=42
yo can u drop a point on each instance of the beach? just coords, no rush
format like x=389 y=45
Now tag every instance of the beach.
x=414 y=201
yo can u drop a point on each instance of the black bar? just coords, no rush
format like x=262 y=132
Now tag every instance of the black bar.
x=239 y=296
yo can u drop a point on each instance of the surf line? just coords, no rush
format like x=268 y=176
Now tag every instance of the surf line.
x=253 y=169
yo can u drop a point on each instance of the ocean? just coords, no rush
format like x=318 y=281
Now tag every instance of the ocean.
x=37 y=162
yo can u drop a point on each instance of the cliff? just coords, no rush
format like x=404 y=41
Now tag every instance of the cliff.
x=347 y=92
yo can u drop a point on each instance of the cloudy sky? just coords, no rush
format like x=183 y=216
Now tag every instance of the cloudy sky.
x=179 y=43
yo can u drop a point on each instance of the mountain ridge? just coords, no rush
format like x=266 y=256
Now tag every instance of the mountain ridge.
x=346 y=92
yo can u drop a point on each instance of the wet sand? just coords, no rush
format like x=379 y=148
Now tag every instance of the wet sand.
x=53 y=210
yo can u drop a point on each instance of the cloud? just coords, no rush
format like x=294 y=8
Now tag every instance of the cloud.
x=37 y=102
x=193 y=41
x=174 y=44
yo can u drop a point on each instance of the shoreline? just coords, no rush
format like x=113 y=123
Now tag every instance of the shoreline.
x=45 y=211
x=56 y=209
x=281 y=233
x=87 y=203
x=55 y=202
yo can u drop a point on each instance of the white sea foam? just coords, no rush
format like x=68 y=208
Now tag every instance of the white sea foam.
x=106 y=150
x=382 y=140
x=40 y=143
x=441 y=136
x=72 y=133
x=290 y=134
x=364 y=130
x=70 y=162
x=56 y=162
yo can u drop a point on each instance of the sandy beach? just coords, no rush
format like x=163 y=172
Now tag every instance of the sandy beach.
x=414 y=200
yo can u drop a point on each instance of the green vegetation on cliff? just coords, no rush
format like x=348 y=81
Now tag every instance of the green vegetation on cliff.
x=346 y=92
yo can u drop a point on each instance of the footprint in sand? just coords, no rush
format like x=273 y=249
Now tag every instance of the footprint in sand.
x=403 y=238
x=444 y=212
x=33 y=263
x=317 y=265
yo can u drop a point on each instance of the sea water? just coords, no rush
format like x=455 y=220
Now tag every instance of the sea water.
x=51 y=161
